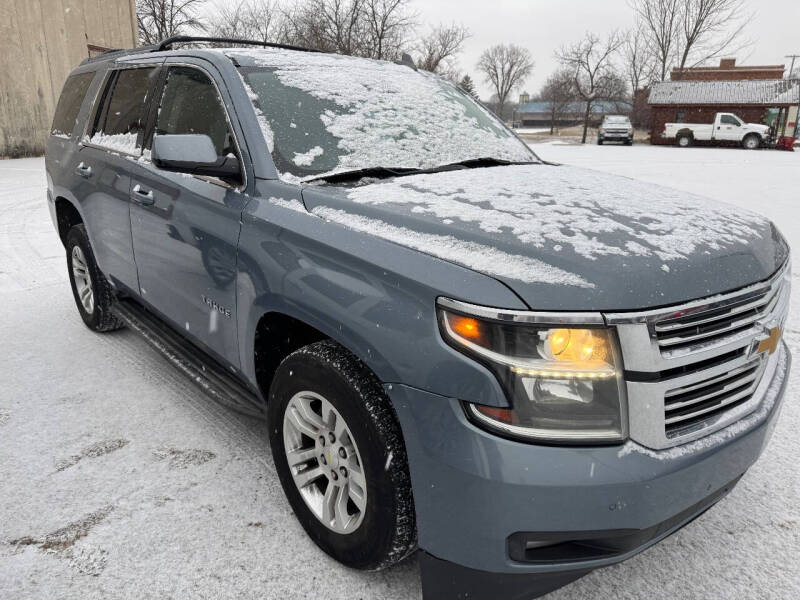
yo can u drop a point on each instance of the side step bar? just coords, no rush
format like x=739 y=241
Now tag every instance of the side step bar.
x=214 y=379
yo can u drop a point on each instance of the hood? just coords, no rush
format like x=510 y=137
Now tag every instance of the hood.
x=565 y=238
x=758 y=127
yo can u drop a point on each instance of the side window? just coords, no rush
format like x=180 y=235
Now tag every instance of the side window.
x=123 y=112
x=730 y=120
x=191 y=104
x=69 y=104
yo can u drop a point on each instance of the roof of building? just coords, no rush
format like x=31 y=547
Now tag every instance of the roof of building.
x=575 y=107
x=770 y=92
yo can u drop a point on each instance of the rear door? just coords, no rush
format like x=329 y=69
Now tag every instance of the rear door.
x=111 y=145
x=185 y=227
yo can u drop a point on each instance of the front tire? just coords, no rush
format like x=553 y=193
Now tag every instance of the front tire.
x=751 y=142
x=340 y=456
x=90 y=288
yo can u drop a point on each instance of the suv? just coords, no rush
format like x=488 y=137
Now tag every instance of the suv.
x=615 y=128
x=524 y=370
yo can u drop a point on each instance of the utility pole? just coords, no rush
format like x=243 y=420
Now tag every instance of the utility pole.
x=793 y=57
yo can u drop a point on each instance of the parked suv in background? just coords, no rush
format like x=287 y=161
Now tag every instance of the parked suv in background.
x=525 y=370
x=615 y=128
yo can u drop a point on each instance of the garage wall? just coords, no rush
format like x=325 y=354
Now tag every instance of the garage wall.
x=41 y=41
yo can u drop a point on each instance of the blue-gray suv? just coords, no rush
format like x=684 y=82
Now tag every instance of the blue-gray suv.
x=526 y=371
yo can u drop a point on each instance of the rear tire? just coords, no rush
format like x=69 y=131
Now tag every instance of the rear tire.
x=684 y=141
x=331 y=413
x=90 y=288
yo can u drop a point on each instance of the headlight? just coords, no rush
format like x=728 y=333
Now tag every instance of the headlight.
x=564 y=382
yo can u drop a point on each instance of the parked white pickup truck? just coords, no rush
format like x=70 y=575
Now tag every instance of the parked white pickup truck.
x=727 y=127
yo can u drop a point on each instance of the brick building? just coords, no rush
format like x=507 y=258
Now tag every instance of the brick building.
x=753 y=101
x=728 y=71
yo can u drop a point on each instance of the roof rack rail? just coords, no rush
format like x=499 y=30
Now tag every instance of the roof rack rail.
x=183 y=39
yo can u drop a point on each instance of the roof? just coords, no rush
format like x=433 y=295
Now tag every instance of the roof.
x=770 y=92
x=575 y=107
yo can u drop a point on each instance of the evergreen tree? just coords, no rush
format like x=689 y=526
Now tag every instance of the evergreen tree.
x=468 y=85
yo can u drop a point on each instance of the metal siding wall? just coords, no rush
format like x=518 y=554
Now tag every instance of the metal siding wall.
x=41 y=41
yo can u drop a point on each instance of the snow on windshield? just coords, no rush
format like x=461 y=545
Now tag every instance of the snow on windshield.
x=566 y=206
x=324 y=113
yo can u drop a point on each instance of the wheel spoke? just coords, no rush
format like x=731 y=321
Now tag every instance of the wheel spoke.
x=329 y=503
x=300 y=424
x=342 y=518
x=303 y=478
x=304 y=407
x=300 y=456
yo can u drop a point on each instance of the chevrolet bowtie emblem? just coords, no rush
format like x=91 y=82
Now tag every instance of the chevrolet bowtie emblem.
x=770 y=344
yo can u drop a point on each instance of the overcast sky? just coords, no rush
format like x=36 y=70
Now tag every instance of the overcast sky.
x=542 y=26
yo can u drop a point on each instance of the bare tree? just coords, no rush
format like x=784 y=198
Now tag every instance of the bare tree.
x=388 y=23
x=660 y=20
x=559 y=93
x=593 y=72
x=159 y=19
x=685 y=33
x=640 y=65
x=261 y=20
x=438 y=49
x=329 y=25
x=505 y=67
x=709 y=28
x=371 y=28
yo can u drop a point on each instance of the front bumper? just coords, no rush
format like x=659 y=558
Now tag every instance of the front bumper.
x=474 y=492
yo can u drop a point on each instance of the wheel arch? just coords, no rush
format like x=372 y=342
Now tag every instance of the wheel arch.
x=278 y=332
x=67 y=216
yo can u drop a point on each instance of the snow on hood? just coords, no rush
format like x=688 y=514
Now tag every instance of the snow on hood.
x=627 y=244
x=566 y=206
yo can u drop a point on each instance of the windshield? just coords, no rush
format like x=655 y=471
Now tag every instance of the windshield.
x=618 y=120
x=324 y=113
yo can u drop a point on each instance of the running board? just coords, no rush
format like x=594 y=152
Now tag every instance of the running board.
x=207 y=373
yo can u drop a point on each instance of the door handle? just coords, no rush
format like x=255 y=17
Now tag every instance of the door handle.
x=142 y=196
x=84 y=170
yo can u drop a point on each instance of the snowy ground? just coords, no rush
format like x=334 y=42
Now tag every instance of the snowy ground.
x=118 y=479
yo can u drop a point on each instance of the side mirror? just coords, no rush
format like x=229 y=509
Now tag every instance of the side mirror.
x=193 y=153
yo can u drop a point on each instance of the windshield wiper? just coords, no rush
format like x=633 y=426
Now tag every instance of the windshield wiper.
x=386 y=172
x=477 y=163
x=379 y=172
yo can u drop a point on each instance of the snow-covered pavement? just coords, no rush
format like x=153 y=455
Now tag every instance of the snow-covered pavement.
x=120 y=479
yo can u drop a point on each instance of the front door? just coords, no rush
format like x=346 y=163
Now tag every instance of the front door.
x=729 y=128
x=185 y=228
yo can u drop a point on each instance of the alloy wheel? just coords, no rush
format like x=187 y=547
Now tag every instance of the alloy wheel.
x=83 y=280
x=324 y=461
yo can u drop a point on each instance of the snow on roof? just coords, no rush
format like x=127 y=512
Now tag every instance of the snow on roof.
x=769 y=92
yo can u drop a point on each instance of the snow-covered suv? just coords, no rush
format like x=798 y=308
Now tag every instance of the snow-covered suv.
x=526 y=371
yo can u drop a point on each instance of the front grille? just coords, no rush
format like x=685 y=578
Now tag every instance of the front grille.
x=694 y=369
x=737 y=317
x=690 y=407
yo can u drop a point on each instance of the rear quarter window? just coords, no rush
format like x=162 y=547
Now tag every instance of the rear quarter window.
x=123 y=111
x=69 y=104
